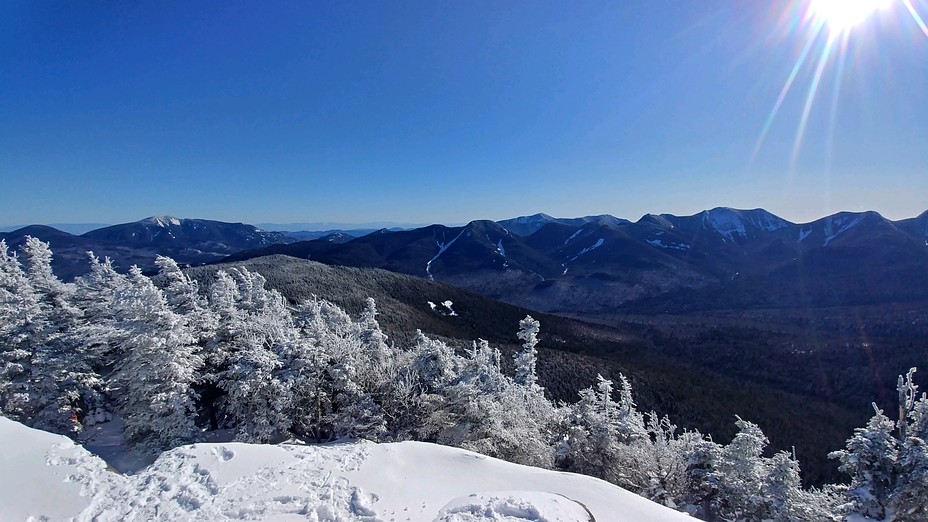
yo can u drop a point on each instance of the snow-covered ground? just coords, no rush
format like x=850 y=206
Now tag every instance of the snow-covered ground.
x=45 y=475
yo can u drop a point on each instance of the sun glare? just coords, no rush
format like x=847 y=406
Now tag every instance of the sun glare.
x=843 y=15
x=826 y=26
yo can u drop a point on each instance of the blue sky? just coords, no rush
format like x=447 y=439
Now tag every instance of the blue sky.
x=422 y=112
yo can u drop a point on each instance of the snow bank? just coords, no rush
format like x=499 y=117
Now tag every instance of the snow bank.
x=46 y=475
x=40 y=474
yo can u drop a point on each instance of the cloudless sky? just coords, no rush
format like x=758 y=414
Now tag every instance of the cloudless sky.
x=422 y=112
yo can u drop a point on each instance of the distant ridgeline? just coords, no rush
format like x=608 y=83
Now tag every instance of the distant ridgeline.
x=173 y=361
x=716 y=259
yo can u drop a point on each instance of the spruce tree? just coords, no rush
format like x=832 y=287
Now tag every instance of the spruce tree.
x=156 y=367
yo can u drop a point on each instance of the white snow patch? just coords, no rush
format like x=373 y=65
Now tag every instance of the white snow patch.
x=803 y=233
x=500 y=249
x=598 y=244
x=674 y=246
x=447 y=308
x=40 y=474
x=441 y=250
x=163 y=221
x=575 y=234
x=46 y=475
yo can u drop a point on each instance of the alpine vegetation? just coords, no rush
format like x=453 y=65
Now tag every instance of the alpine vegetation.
x=176 y=363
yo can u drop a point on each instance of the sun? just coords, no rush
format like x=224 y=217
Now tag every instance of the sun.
x=844 y=15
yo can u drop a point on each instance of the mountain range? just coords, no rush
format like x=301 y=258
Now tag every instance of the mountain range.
x=716 y=259
x=719 y=258
x=188 y=241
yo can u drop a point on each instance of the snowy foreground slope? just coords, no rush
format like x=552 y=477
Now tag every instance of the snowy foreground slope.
x=46 y=475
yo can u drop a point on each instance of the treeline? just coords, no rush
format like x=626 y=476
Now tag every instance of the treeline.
x=175 y=361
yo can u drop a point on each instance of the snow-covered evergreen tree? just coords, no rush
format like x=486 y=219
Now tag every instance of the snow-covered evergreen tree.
x=597 y=430
x=527 y=359
x=870 y=459
x=257 y=401
x=743 y=474
x=658 y=464
x=48 y=378
x=258 y=329
x=330 y=395
x=911 y=489
x=373 y=341
x=222 y=296
x=184 y=297
x=99 y=335
x=156 y=367
x=19 y=309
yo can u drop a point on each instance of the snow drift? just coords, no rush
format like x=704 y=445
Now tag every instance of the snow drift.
x=46 y=475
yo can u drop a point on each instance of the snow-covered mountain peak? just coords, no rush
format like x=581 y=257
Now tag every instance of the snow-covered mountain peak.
x=526 y=225
x=534 y=218
x=727 y=222
x=731 y=223
x=162 y=221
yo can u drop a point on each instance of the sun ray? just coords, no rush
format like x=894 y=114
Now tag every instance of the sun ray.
x=915 y=16
x=833 y=115
x=828 y=30
x=783 y=92
x=810 y=98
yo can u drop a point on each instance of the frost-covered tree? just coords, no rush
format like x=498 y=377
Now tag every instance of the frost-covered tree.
x=373 y=341
x=598 y=427
x=48 y=378
x=482 y=410
x=435 y=363
x=911 y=489
x=222 y=297
x=257 y=401
x=887 y=461
x=743 y=473
x=184 y=297
x=156 y=367
x=527 y=359
x=656 y=466
x=870 y=460
x=326 y=369
x=99 y=335
x=19 y=309
x=257 y=329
